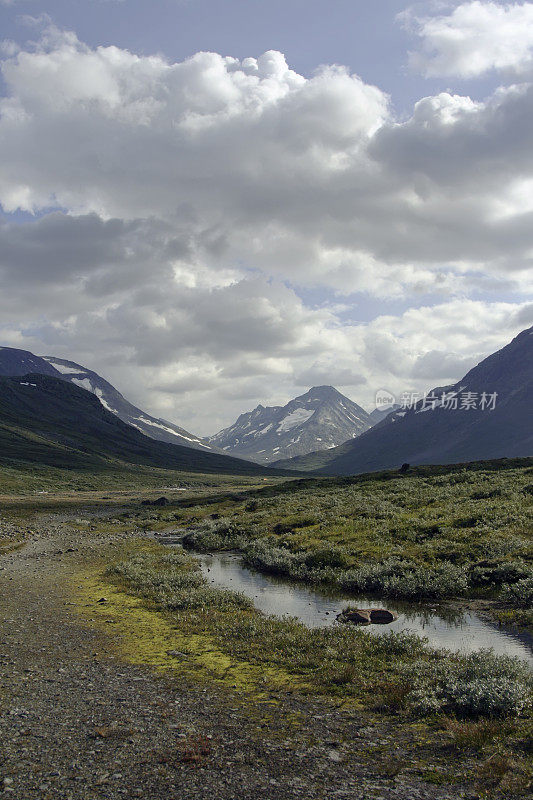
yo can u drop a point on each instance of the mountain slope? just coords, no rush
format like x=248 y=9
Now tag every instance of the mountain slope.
x=45 y=420
x=319 y=419
x=21 y=362
x=444 y=435
x=378 y=414
x=155 y=428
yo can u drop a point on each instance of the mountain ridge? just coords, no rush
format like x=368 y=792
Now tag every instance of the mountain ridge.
x=429 y=435
x=20 y=362
x=320 y=418
x=48 y=421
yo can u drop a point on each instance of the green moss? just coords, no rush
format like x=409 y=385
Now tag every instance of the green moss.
x=142 y=635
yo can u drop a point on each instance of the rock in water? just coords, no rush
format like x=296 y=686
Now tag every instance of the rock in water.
x=366 y=616
x=381 y=616
x=356 y=616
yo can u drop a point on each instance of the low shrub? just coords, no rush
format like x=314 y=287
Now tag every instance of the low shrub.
x=217 y=534
x=480 y=684
x=486 y=495
x=328 y=555
x=397 y=669
x=174 y=581
x=294 y=523
x=487 y=573
x=406 y=579
x=520 y=594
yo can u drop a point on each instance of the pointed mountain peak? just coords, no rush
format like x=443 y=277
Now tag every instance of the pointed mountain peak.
x=323 y=391
x=317 y=420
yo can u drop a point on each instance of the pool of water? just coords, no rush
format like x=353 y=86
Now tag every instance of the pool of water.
x=464 y=632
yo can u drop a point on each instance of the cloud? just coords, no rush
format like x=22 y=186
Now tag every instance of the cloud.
x=181 y=208
x=308 y=179
x=473 y=39
x=327 y=372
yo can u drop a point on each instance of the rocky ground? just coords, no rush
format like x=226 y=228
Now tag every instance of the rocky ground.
x=76 y=722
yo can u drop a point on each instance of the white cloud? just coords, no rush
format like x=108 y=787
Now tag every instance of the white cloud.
x=473 y=39
x=310 y=179
x=189 y=197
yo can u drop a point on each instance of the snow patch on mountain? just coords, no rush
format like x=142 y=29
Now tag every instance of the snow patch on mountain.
x=21 y=362
x=85 y=383
x=296 y=417
x=100 y=395
x=62 y=368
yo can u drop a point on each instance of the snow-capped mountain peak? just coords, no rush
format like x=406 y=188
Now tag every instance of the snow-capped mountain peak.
x=317 y=420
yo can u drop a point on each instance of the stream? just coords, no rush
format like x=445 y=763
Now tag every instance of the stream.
x=444 y=627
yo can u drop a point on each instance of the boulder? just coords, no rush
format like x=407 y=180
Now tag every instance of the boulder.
x=161 y=501
x=356 y=616
x=367 y=616
x=381 y=616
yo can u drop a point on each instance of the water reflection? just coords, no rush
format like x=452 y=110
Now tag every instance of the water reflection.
x=444 y=627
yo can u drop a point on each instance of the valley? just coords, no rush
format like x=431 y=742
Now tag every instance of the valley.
x=172 y=682
x=210 y=596
x=266 y=392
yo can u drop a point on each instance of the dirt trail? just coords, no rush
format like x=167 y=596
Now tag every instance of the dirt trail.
x=75 y=722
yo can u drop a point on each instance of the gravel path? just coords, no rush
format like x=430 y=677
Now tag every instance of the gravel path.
x=77 y=723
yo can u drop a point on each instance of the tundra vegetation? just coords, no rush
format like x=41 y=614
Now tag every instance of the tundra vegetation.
x=459 y=534
x=479 y=705
x=398 y=667
x=439 y=533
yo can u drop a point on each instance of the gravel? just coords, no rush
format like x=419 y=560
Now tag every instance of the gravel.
x=75 y=722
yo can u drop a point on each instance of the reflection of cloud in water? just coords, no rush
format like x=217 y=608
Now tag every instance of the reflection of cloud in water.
x=443 y=627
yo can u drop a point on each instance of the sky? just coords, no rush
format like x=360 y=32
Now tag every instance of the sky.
x=220 y=203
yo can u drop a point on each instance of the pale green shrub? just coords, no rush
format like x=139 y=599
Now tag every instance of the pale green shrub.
x=519 y=594
x=478 y=684
x=401 y=578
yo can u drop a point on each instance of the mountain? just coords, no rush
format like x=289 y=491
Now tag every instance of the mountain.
x=434 y=432
x=379 y=414
x=319 y=419
x=47 y=421
x=21 y=362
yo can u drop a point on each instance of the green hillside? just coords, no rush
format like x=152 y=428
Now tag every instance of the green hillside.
x=46 y=421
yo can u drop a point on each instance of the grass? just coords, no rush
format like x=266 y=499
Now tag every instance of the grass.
x=443 y=532
x=144 y=635
x=28 y=479
x=166 y=616
x=162 y=614
x=398 y=668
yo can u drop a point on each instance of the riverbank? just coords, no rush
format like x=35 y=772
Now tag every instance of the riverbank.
x=109 y=692
x=82 y=720
x=453 y=534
